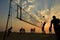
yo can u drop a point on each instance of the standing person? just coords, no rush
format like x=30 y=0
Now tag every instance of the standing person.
x=22 y=30
x=55 y=21
x=43 y=24
x=32 y=30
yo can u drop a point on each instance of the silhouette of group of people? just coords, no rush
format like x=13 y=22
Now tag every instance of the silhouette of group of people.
x=22 y=30
x=55 y=21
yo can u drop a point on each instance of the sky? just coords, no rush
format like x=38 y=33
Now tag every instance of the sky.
x=36 y=8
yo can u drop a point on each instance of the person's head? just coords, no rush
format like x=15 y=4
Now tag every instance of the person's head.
x=54 y=17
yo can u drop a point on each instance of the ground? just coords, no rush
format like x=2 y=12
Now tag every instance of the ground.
x=28 y=36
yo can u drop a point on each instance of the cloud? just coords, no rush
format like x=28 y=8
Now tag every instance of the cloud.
x=30 y=1
x=53 y=11
x=29 y=8
x=17 y=1
x=24 y=3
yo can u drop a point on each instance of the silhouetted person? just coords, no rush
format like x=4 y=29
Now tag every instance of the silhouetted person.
x=55 y=22
x=33 y=30
x=9 y=31
x=22 y=30
x=43 y=25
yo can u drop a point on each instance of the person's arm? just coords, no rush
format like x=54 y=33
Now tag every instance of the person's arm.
x=50 y=27
x=59 y=20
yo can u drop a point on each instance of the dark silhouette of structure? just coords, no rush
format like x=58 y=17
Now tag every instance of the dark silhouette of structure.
x=32 y=30
x=55 y=21
x=9 y=31
x=5 y=33
x=20 y=18
x=43 y=25
x=22 y=30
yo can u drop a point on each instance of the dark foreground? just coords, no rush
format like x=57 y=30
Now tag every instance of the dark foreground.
x=29 y=36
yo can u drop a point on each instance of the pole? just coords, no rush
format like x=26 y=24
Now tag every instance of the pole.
x=17 y=11
x=20 y=13
x=20 y=9
x=7 y=20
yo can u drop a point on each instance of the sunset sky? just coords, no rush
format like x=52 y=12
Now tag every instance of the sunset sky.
x=36 y=8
